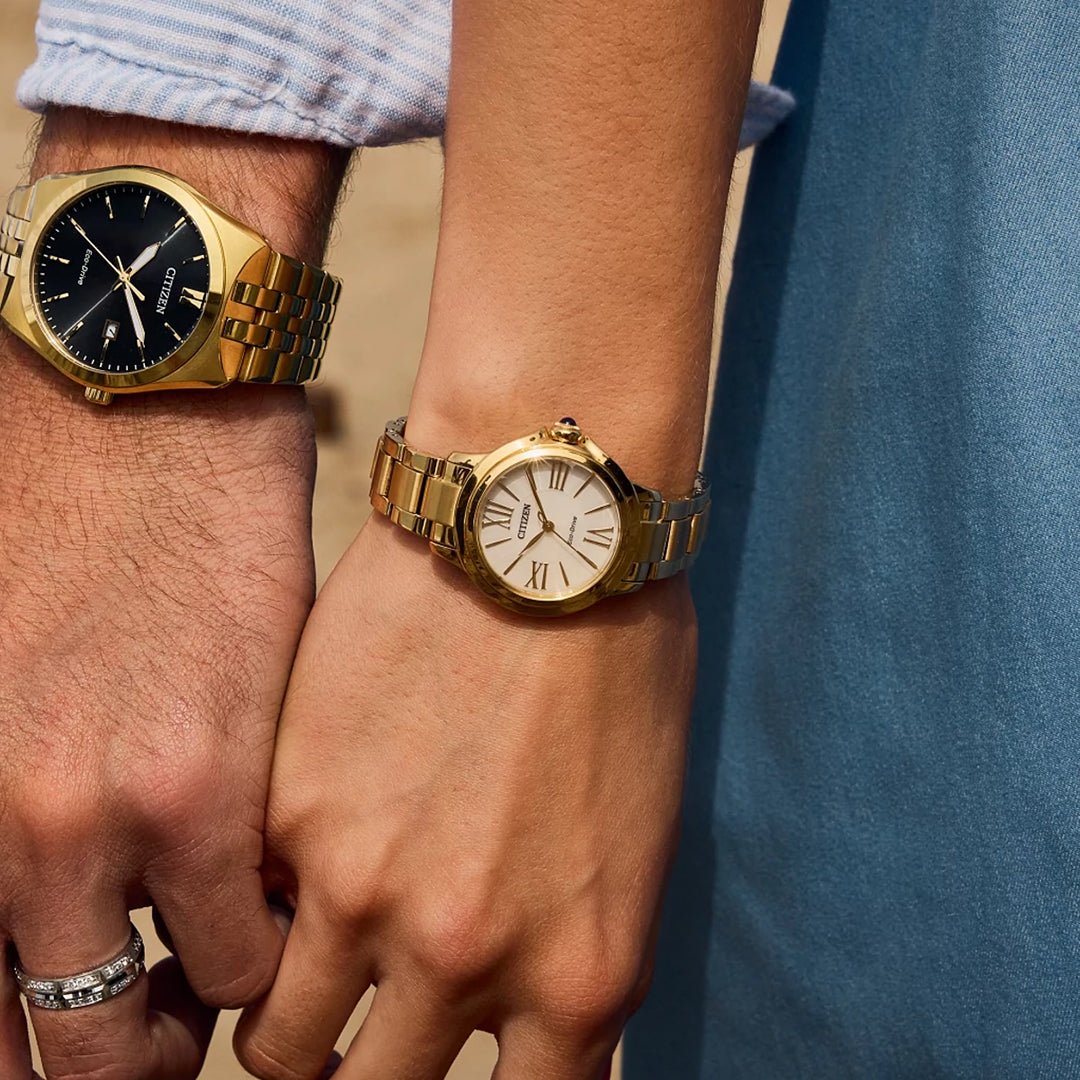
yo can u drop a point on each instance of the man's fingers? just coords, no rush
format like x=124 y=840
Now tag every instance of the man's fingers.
x=528 y=1048
x=408 y=1035
x=172 y=1001
x=223 y=934
x=117 y=1038
x=319 y=984
x=14 y=1038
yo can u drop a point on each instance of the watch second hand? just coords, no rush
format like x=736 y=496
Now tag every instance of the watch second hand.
x=70 y=330
x=82 y=232
x=580 y=554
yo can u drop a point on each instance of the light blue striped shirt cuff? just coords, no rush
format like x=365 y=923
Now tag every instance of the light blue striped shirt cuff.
x=348 y=72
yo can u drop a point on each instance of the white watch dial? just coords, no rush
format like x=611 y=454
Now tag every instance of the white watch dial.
x=548 y=528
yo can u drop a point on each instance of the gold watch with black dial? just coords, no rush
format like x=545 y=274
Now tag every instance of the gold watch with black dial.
x=128 y=280
x=545 y=525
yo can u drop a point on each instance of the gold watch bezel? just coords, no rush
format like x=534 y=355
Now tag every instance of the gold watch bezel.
x=567 y=443
x=52 y=196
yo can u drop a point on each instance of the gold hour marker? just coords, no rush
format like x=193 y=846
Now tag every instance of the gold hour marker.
x=588 y=481
x=108 y=203
x=179 y=224
x=596 y=509
x=498 y=515
x=56 y=258
x=194 y=258
x=193 y=297
x=174 y=333
x=59 y=296
x=145 y=206
x=566 y=580
x=71 y=330
x=601 y=537
x=496 y=543
x=539 y=576
x=560 y=471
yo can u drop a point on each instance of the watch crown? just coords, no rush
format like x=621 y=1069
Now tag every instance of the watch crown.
x=566 y=430
x=98 y=397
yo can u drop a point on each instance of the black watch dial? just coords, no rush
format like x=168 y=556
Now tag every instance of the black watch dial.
x=122 y=277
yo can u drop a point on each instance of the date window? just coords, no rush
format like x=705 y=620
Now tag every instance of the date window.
x=112 y=330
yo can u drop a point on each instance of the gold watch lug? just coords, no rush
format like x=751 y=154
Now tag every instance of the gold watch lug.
x=468 y=460
x=448 y=553
x=15 y=318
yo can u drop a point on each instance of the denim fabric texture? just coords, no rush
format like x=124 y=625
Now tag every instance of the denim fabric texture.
x=880 y=871
x=347 y=72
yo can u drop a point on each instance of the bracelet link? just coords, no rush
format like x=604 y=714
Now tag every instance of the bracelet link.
x=13 y=231
x=281 y=317
x=411 y=488
x=671 y=535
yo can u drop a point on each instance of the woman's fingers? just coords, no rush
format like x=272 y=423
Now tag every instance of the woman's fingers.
x=408 y=1035
x=530 y=1050
x=320 y=982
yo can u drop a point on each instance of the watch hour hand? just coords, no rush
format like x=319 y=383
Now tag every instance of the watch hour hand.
x=536 y=495
x=521 y=555
x=147 y=256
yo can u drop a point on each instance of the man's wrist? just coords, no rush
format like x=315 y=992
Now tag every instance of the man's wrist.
x=284 y=189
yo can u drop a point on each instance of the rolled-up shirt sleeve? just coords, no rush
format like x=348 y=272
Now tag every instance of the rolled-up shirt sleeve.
x=347 y=72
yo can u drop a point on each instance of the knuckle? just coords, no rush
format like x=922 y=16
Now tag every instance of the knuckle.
x=55 y=820
x=271 y=1059
x=350 y=892
x=170 y=797
x=457 y=941
x=231 y=990
x=98 y=1069
x=589 y=990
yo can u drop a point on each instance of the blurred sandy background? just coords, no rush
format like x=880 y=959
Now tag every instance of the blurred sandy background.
x=385 y=250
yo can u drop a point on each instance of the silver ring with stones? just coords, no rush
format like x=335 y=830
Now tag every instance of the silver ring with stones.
x=89 y=987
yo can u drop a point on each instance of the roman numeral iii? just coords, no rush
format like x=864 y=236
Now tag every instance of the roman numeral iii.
x=601 y=537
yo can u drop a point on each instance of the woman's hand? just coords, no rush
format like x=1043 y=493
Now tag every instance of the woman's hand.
x=474 y=811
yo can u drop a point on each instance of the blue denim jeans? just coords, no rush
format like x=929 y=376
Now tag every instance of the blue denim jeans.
x=880 y=871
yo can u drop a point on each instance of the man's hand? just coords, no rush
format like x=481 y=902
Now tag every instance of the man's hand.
x=155 y=575
x=474 y=811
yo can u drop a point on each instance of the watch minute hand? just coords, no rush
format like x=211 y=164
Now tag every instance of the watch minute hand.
x=136 y=320
x=579 y=554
